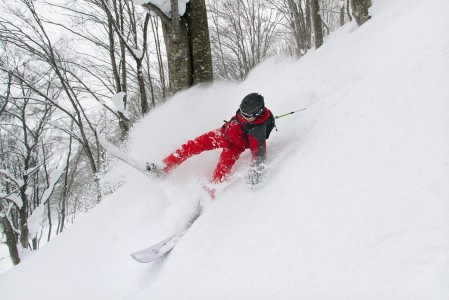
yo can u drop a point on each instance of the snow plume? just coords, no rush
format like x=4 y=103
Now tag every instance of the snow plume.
x=354 y=203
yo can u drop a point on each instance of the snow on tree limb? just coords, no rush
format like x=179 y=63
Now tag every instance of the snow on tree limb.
x=13 y=197
x=11 y=178
x=38 y=214
x=119 y=103
x=8 y=216
x=54 y=178
x=118 y=31
x=35 y=220
x=162 y=6
x=31 y=170
x=138 y=53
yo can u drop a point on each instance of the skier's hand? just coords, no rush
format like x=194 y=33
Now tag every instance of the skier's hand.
x=154 y=169
x=254 y=175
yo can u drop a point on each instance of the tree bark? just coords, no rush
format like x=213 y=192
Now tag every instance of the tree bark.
x=139 y=64
x=178 y=56
x=23 y=214
x=11 y=240
x=196 y=16
x=187 y=43
x=308 y=15
x=342 y=15
x=316 y=20
x=360 y=11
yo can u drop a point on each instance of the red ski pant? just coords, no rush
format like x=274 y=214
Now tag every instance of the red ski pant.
x=208 y=141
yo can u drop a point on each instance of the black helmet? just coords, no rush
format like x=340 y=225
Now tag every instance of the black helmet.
x=252 y=105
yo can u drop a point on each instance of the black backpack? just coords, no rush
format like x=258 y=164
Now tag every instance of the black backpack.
x=270 y=123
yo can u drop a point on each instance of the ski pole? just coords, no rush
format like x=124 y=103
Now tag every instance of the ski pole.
x=290 y=113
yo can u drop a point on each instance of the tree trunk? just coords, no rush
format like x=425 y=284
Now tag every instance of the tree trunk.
x=308 y=15
x=50 y=223
x=122 y=121
x=65 y=189
x=196 y=15
x=316 y=20
x=187 y=43
x=179 y=57
x=139 y=64
x=342 y=14
x=299 y=27
x=23 y=218
x=360 y=11
x=142 y=90
x=11 y=240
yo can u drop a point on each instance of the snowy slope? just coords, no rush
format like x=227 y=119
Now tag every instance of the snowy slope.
x=355 y=204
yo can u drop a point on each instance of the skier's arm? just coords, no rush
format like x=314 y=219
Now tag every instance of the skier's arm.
x=257 y=145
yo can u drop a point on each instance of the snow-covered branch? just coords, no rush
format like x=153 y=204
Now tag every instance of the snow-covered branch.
x=119 y=103
x=10 y=178
x=13 y=197
x=54 y=178
x=38 y=214
x=162 y=8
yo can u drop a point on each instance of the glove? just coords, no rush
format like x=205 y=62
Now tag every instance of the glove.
x=152 y=168
x=254 y=176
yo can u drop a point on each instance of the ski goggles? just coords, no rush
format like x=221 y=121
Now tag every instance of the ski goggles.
x=253 y=115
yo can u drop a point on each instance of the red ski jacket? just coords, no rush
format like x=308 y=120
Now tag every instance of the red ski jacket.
x=233 y=137
x=239 y=132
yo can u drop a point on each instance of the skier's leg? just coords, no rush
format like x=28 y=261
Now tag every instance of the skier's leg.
x=227 y=159
x=208 y=141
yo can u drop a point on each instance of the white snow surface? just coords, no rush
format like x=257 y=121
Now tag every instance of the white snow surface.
x=354 y=204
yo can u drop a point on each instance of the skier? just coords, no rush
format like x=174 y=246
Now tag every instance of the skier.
x=248 y=129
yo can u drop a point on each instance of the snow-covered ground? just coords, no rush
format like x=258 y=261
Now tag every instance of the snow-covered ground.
x=355 y=203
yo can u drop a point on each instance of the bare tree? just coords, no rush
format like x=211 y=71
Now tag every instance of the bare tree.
x=32 y=38
x=120 y=9
x=116 y=29
x=31 y=124
x=187 y=43
x=24 y=121
x=244 y=33
x=155 y=25
x=317 y=23
x=297 y=21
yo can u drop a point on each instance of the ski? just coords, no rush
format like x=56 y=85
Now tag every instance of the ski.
x=156 y=251
x=163 y=247
x=113 y=150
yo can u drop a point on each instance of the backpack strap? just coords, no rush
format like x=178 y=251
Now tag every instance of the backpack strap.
x=244 y=128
